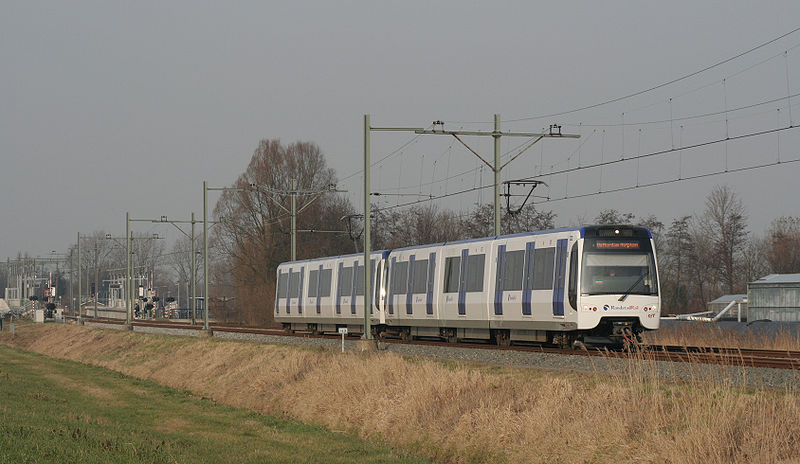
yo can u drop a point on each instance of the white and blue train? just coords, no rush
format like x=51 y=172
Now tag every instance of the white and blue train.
x=591 y=284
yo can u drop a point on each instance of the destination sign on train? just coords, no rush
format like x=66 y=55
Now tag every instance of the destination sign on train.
x=632 y=245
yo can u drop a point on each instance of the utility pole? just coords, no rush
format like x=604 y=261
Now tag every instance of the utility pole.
x=205 y=258
x=80 y=313
x=293 y=212
x=367 y=245
x=127 y=286
x=129 y=266
x=555 y=132
x=193 y=298
x=293 y=228
x=496 y=167
x=165 y=220
x=96 y=283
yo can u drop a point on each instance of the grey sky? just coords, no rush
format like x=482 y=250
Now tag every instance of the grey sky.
x=108 y=107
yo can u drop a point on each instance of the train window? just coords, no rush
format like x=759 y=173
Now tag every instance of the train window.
x=543 y=259
x=294 y=285
x=475 y=265
x=514 y=265
x=420 y=283
x=360 y=281
x=452 y=273
x=313 y=279
x=282 y=285
x=400 y=278
x=325 y=283
x=345 y=285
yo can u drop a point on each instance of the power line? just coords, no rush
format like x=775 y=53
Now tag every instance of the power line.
x=647 y=155
x=664 y=182
x=683 y=118
x=669 y=150
x=505 y=156
x=684 y=77
x=392 y=153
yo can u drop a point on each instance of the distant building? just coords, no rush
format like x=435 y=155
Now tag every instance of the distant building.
x=775 y=297
x=739 y=307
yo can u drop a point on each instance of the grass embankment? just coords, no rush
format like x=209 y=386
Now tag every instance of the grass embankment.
x=454 y=412
x=713 y=335
x=56 y=411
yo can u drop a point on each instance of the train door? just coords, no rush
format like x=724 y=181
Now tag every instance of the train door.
x=508 y=275
x=465 y=300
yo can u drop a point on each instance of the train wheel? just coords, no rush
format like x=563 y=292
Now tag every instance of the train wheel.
x=502 y=337
x=449 y=335
x=405 y=334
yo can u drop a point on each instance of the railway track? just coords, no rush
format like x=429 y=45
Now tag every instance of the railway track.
x=774 y=359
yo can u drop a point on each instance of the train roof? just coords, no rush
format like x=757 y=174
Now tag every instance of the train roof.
x=381 y=253
x=584 y=230
x=591 y=229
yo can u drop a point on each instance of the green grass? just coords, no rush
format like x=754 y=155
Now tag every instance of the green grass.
x=61 y=411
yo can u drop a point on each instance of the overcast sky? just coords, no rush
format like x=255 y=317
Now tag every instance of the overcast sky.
x=108 y=107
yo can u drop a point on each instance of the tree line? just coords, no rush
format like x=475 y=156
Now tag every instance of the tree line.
x=701 y=256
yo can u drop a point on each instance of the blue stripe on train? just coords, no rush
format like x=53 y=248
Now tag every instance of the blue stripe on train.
x=431 y=269
x=319 y=278
x=288 y=288
x=462 y=284
x=300 y=298
x=391 y=284
x=353 y=290
x=499 y=278
x=338 y=290
x=409 y=286
x=527 y=278
x=277 y=295
x=558 y=287
x=372 y=270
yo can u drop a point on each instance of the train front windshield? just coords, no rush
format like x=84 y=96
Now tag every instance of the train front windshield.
x=618 y=267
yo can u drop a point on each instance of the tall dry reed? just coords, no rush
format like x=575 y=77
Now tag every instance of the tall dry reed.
x=457 y=412
x=713 y=335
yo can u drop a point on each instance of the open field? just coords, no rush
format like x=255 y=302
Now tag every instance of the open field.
x=56 y=411
x=455 y=412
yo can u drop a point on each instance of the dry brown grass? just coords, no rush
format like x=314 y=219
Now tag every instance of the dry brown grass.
x=713 y=335
x=458 y=413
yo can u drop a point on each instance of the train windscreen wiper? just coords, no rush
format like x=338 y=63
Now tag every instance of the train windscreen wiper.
x=629 y=290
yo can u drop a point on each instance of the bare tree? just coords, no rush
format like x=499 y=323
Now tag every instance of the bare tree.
x=674 y=261
x=480 y=222
x=755 y=259
x=253 y=237
x=783 y=245
x=724 y=222
x=612 y=216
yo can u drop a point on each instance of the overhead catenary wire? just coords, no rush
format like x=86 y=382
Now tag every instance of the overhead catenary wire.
x=616 y=161
x=656 y=87
x=716 y=81
x=673 y=150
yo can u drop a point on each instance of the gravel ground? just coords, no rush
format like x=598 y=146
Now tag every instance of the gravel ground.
x=733 y=376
